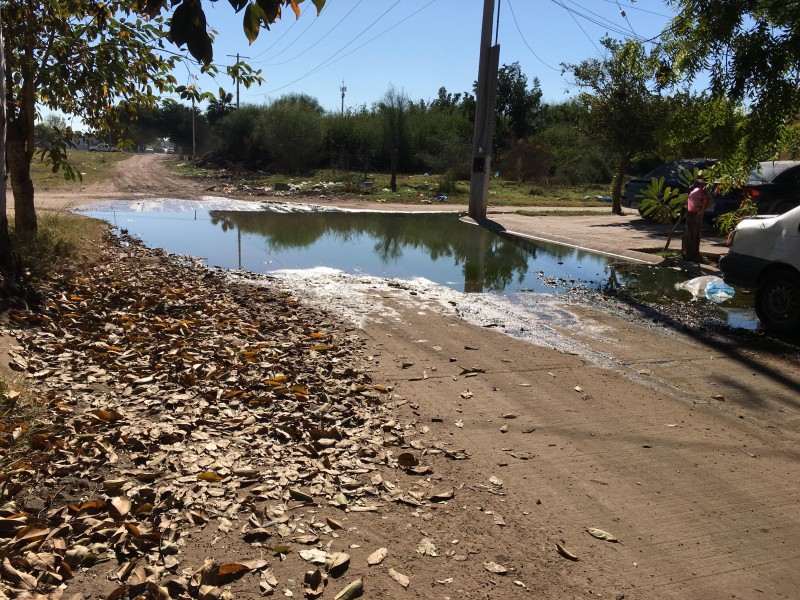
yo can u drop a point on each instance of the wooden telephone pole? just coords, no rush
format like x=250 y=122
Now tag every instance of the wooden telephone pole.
x=484 y=117
x=237 y=76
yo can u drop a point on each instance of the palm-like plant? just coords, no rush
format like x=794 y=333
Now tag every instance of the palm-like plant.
x=668 y=204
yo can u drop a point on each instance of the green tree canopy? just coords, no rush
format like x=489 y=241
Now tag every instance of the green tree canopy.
x=623 y=106
x=751 y=48
x=517 y=105
x=78 y=57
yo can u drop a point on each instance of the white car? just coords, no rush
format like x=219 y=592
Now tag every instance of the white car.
x=765 y=255
x=103 y=148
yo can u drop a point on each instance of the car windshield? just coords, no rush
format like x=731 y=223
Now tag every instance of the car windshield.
x=673 y=170
x=769 y=171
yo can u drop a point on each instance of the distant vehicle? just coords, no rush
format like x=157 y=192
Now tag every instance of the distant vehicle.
x=765 y=255
x=774 y=188
x=102 y=148
x=170 y=150
x=632 y=194
x=148 y=150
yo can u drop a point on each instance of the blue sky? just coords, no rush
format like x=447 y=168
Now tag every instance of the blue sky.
x=419 y=45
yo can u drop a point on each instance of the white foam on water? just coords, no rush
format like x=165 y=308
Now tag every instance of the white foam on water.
x=533 y=317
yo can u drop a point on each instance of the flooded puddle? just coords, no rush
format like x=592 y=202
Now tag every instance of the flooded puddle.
x=435 y=247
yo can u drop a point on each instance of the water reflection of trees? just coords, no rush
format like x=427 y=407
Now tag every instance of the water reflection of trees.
x=487 y=261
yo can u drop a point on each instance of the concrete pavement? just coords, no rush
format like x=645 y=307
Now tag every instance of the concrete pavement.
x=627 y=236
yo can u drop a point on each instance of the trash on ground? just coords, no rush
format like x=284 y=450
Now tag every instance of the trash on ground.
x=710 y=287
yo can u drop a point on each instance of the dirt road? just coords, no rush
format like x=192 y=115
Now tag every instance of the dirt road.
x=683 y=445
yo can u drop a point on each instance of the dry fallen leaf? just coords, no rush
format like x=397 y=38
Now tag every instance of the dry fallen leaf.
x=314 y=583
x=426 y=547
x=407 y=459
x=399 y=578
x=493 y=567
x=314 y=555
x=337 y=563
x=565 y=553
x=333 y=524
x=442 y=495
x=377 y=557
x=601 y=535
x=354 y=590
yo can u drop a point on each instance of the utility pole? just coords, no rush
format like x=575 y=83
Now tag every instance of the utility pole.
x=343 y=89
x=237 y=76
x=194 y=149
x=484 y=116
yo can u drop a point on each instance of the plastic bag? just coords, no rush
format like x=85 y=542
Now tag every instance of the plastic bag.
x=719 y=291
x=697 y=286
x=707 y=286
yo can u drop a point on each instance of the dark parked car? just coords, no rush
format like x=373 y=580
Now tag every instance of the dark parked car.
x=632 y=194
x=775 y=189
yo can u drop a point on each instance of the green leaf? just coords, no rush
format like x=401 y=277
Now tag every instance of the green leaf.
x=252 y=22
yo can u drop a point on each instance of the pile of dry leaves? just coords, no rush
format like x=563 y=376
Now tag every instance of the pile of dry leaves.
x=180 y=408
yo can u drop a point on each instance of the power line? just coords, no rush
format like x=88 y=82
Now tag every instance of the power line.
x=283 y=35
x=332 y=60
x=331 y=30
x=625 y=16
x=597 y=19
x=639 y=9
x=513 y=14
x=561 y=4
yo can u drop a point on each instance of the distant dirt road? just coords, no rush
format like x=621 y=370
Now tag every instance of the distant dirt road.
x=141 y=175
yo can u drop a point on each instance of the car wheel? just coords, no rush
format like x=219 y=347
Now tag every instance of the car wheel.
x=778 y=302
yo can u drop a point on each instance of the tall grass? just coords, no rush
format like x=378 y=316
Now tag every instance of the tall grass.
x=62 y=240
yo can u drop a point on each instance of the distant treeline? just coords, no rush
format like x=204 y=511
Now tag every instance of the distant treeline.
x=534 y=141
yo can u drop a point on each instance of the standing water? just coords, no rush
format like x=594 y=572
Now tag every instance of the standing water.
x=438 y=247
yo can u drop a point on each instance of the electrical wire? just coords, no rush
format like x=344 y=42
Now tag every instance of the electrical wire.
x=332 y=60
x=637 y=8
x=519 y=29
x=283 y=35
x=561 y=4
x=625 y=16
x=342 y=20
x=596 y=19
x=331 y=30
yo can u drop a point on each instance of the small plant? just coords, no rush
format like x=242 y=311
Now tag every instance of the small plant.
x=668 y=253
x=537 y=190
x=667 y=204
x=448 y=182
x=664 y=205
x=728 y=222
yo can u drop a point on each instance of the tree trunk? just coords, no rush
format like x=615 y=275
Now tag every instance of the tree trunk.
x=20 y=144
x=9 y=264
x=690 y=244
x=616 y=192
x=393 y=182
x=19 y=163
x=672 y=230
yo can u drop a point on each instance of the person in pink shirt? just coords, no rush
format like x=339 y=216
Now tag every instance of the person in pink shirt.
x=697 y=203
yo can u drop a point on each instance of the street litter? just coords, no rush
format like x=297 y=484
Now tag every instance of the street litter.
x=710 y=287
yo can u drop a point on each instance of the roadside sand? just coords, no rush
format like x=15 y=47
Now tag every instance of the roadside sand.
x=686 y=449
